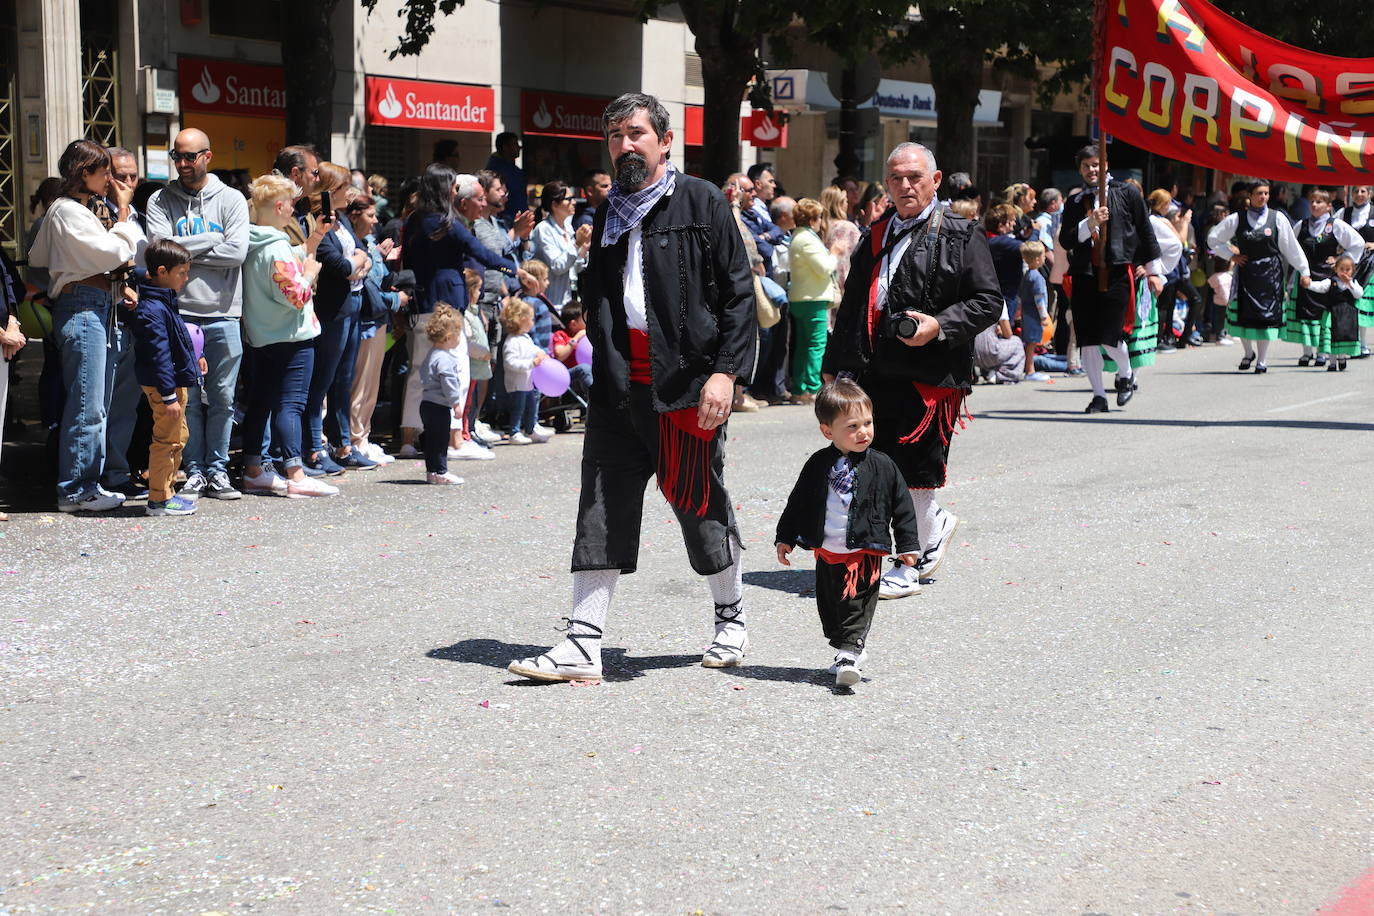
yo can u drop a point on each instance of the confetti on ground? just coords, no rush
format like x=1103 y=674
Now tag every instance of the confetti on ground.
x=1211 y=782
x=485 y=704
x=736 y=686
x=579 y=683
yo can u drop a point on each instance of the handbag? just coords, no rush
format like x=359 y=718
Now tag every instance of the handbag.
x=765 y=309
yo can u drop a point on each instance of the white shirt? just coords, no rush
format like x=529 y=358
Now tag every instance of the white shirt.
x=1351 y=242
x=1323 y=286
x=1219 y=241
x=837 y=513
x=889 y=263
x=73 y=245
x=1154 y=268
x=1170 y=246
x=1357 y=216
x=636 y=315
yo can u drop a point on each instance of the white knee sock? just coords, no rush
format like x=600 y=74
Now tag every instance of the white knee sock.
x=592 y=591
x=1122 y=357
x=727 y=591
x=923 y=501
x=1092 y=365
x=1248 y=346
x=1308 y=351
x=1263 y=347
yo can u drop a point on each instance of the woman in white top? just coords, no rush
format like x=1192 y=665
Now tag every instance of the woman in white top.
x=86 y=243
x=557 y=245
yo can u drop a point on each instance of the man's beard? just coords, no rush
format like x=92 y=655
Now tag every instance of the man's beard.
x=631 y=172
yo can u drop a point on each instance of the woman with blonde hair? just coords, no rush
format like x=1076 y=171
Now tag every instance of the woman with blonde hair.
x=811 y=293
x=837 y=231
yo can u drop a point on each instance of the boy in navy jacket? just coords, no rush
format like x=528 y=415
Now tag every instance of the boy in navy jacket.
x=847 y=503
x=165 y=364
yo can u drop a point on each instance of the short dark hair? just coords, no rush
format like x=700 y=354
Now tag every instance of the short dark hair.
x=553 y=191
x=486 y=178
x=503 y=138
x=589 y=179
x=572 y=311
x=625 y=107
x=1086 y=153
x=79 y=159
x=838 y=398
x=758 y=168
x=445 y=148
x=164 y=253
x=293 y=157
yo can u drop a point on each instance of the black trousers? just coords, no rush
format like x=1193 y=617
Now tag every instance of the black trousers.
x=846 y=596
x=436 y=419
x=898 y=411
x=619 y=454
x=1100 y=318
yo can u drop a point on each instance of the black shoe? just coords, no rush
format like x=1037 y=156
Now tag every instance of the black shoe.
x=194 y=486
x=1261 y=368
x=1245 y=363
x=1319 y=361
x=1341 y=363
x=1304 y=361
x=1096 y=405
x=1125 y=390
x=130 y=489
x=219 y=487
x=1331 y=366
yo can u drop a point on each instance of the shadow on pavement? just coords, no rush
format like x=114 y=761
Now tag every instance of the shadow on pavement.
x=406 y=481
x=815 y=677
x=1118 y=415
x=795 y=581
x=615 y=664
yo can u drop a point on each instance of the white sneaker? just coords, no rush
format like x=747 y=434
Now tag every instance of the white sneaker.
x=443 y=480
x=946 y=523
x=520 y=439
x=470 y=451
x=900 y=581
x=485 y=431
x=100 y=500
x=266 y=483
x=375 y=452
x=537 y=436
x=544 y=431
x=309 y=486
x=847 y=672
x=724 y=654
x=408 y=451
x=835 y=665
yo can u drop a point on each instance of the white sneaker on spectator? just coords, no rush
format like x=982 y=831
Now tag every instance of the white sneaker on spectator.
x=443 y=479
x=485 y=431
x=99 y=500
x=899 y=582
x=544 y=430
x=375 y=452
x=520 y=439
x=309 y=486
x=408 y=451
x=266 y=483
x=1037 y=377
x=537 y=436
x=471 y=451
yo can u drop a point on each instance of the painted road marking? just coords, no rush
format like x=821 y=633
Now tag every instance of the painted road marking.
x=1334 y=397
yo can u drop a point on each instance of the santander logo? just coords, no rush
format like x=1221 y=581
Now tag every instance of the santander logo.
x=389 y=106
x=766 y=130
x=542 y=119
x=205 y=91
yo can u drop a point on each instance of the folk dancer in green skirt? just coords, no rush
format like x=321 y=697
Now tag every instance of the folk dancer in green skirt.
x=1257 y=241
x=1360 y=216
x=1307 y=313
x=1340 y=332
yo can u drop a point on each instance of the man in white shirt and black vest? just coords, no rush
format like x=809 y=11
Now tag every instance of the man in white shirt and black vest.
x=669 y=303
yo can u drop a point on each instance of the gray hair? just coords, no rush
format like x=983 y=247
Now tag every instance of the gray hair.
x=631 y=102
x=119 y=152
x=781 y=206
x=1049 y=196
x=958 y=181
x=468 y=186
x=912 y=148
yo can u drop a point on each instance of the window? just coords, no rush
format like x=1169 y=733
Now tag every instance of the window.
x=256 y=19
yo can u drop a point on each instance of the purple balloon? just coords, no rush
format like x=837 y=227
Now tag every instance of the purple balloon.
x=551 y=377
x=584 y=352
x=197 y=339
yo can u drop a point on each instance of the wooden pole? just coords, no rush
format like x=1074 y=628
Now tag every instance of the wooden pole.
x=1099 y=49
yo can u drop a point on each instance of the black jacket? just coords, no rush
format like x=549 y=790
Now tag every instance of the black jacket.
x=1130 y=238
x=333 y=287
x=164 y=357
x=880 y=501
x=699 y=296
x=965 y=298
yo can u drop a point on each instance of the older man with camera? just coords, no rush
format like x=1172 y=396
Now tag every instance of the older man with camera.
x=920 y=288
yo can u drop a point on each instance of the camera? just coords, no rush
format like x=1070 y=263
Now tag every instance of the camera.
x=900 y=326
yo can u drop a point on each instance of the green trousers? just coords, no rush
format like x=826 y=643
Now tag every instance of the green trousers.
x=809 y=328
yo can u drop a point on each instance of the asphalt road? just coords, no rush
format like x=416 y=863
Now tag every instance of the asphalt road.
x=1140 y=685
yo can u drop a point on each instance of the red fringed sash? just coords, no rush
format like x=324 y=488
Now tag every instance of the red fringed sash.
x=640 y=373
x=684 y=448
x=861 y=568
x=942 y=408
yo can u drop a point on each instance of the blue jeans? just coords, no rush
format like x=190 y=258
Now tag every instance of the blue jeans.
x=336 y=350
x=210 y=418
x=580 y=380
x=277 y=385
x=81 y=330
x=124 y=401
x=524 y=410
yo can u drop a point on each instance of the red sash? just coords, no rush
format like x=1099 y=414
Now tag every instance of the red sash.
x=863 y=567
x=684 y=448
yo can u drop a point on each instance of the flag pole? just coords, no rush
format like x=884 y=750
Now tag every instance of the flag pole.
x=1099 y=67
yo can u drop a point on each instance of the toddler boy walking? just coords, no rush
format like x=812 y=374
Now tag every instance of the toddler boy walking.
x=165 y=365
x=844 y=507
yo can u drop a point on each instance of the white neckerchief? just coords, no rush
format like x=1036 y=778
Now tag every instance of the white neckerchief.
x=895 y=226
x=1316 y=225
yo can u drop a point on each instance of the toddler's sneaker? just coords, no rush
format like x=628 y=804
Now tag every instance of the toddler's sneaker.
x=99 y=500
x=443 y=480
x=847 y=672
x=176 y=505
x=858 y=662
x=408 y=451
x=267 y=483
x=309 y=486
x=520 y=439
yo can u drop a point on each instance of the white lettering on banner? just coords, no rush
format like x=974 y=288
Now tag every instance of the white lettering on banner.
x=255 y=96
x=442 y=111
x=578 y=121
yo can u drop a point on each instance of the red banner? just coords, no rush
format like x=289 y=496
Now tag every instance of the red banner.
x=556 y=114
x=1181 y=78
x=435 y=106
x=764 y=130
x=231 y=87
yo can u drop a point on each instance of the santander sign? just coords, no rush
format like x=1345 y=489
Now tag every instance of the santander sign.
x=435 y=106
x=232 y=87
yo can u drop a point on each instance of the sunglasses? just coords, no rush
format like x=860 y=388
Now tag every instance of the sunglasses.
x=187 y=157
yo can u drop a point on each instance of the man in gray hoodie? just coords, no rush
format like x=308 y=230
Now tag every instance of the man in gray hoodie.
x=211 y=221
